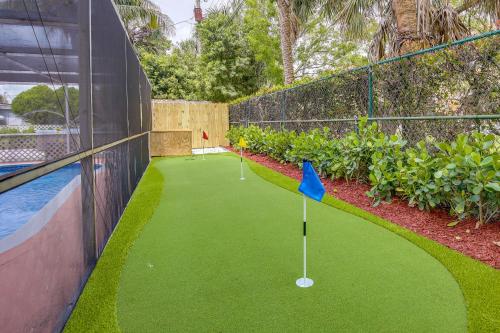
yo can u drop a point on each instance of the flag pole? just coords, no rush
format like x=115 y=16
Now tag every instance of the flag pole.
x=202 y=146
x=305 y=282
x=241 y=164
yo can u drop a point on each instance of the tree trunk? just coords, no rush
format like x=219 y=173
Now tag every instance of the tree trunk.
x=405 y=12
x=286 y=44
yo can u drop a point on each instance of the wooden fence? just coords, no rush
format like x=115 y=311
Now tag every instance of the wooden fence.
x=212 y=118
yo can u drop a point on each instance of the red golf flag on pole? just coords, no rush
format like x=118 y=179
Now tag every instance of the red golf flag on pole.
x=205 y=135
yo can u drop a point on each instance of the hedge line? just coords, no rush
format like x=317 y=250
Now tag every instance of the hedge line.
x=462 y=176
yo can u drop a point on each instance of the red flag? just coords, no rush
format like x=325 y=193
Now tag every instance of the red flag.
x=205 y=135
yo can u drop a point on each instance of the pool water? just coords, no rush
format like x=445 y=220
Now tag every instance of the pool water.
x=18 y=205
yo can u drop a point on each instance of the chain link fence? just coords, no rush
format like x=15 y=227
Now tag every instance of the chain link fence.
x=438 y=92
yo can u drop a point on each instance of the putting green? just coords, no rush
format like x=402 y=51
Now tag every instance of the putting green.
x=222 y=255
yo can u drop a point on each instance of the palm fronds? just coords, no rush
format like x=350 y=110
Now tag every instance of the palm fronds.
x=144 y=15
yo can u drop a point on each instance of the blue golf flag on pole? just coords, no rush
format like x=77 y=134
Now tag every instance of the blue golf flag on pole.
x=311 y=184
x=312 y=187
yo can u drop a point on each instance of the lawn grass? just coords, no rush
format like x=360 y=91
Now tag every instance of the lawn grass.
x=96 y=307
x=480 y=283
x=222 y=255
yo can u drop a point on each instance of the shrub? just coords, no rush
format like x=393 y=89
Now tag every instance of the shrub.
x=316 y=146
x=386 y=161
x=470 y=174
x=356 y=150
x=462 y=175
x=254 y=137
x=279 y=143
x=234 y=134
x=416 y=178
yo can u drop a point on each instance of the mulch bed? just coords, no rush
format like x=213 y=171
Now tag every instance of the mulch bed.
x=476 y=243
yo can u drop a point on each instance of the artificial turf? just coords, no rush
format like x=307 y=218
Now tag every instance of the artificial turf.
x=222 y=255
x=96 y=307
x=96 y=310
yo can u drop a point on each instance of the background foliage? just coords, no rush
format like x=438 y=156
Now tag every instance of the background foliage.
x=42 y=98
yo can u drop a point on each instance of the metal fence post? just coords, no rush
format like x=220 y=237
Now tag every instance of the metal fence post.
x=356 y=125
x=370 y=92
x=282 y=105
x=87 y=135
x=246 y=113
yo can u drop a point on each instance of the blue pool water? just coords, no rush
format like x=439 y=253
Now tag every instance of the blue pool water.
x=18 y=205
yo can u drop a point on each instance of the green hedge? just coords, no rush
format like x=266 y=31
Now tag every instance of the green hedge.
x=462 y=176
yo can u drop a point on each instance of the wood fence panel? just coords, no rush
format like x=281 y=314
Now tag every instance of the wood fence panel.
x=212 y=118
x=171 y=143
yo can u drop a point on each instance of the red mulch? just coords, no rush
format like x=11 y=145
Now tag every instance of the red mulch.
x=475 y=243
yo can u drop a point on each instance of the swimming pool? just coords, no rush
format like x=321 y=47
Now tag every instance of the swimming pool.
x=18 y=205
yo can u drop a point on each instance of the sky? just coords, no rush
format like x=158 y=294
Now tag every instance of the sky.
x=181 y=12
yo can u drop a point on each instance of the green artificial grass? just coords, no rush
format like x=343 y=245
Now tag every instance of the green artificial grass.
x=222 y=255
x=480 y=283
x=96 y=307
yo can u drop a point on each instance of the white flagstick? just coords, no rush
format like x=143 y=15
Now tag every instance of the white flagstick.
x=241 y=164
x=305 y=282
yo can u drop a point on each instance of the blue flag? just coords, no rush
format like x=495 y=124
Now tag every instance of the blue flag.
x=311 y=184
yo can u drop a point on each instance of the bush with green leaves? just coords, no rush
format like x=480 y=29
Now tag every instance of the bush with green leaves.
x=386 y=161
x=469 y=173
x=13 y=130
x=316 y=146
x=462 y=176
x=356 y=149
x=279 y=143
x=416 y=178
x=254 y=136
x=234 y=134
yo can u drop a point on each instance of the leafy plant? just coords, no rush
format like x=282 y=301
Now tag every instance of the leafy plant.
x=470 y=169
x=279 y=143
x=462 y=176
x=254 y=137
x=416 y=179
x=356 y=151
x=386 y=161
x=316 y=146
x=234 y=134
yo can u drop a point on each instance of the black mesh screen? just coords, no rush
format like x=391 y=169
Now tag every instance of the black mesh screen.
x=146 y=102
x=80 y=86
x=109 y=77
x=112 y=190
x=133 y=92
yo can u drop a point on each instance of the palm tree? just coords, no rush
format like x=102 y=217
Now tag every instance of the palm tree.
x=143 y=18
x=286 y=39
x=404 y=25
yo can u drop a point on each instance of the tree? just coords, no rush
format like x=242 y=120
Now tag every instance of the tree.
x=145 y=23
x=287 y=39
x=175 y=75
x=404 y=25
x=42 y=105
x=322 y=48
x=260 y=19
x=228 y=66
